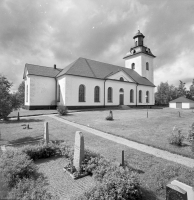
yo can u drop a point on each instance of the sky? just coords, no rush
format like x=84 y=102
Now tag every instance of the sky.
x=48 y=32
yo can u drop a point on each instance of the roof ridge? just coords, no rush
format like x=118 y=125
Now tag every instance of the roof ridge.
x=90 y=67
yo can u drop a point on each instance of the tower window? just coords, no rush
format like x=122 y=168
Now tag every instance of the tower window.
x=133 y=66
x=147 y=66
x=121 y=79
x=121 y=90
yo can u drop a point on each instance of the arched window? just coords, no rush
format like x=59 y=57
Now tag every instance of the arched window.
x=26 y=93
x=81 y=93
x=140 y=96
x=147 y=66
x=58 y=93
x=147 y=97
x=121 y=79
x=131 y=96
x=96 y=94
x=109 y=94
x=121 y=90
x=133 y=66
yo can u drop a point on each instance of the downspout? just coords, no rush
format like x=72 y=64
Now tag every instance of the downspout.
x=104 y=92
x=56 y=92
x=136 y=94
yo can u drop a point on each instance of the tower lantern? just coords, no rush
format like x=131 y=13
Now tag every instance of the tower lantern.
x=138 y=38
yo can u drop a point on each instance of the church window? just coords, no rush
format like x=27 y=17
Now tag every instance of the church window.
x=121 y=90
x=133 y=66
x=140 y=96
x=121 y=79
x=96 y=94
x=27 y=93
x=147 y=66
x=147 y=97
x=58 y=93
x=81 y=93
x=109 y=94
x=131 y=96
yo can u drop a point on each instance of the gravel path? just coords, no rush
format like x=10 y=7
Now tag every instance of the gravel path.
x=141 y=147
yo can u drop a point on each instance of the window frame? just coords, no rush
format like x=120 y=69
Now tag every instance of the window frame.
x=110 y=94
x=147 y=66
x=97 y=94
x=82 y=93
x=131 y=96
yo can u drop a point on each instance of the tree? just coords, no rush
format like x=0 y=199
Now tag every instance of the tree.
x=192 y=90
x=20 y=93
x=5 y=98
x=181 y=89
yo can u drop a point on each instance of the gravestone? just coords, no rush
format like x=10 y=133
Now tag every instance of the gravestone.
x=46 y=133
x=18 y=118
x=78 y=150
x=174 y=192
x=111 y=114
x=123 y=159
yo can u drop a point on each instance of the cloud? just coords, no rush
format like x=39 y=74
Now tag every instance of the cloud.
x=58 y=32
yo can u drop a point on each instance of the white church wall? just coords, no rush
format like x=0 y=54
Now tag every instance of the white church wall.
x=72 y=91
x=116 y=86
x=120 y=74
x=151 y=95
x=135 y=59
x=62 y=83
x=42 y=90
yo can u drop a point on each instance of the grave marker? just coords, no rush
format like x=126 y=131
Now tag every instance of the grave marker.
x=174 y=192
x=46 y=133
x=78 y=150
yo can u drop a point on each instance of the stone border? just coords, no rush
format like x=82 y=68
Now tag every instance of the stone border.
x=73 y=177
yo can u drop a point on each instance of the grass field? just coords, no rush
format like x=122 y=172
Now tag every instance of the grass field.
x=133 y=124
x=154 y=172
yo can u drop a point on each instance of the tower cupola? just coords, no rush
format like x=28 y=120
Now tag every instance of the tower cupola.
x=138 y=38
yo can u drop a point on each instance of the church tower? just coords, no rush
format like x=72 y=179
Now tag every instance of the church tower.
x=140 y=58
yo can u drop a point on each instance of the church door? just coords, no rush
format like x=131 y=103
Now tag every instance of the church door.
x=121 y=102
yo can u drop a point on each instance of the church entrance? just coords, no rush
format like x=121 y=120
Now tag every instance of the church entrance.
x=121 y=102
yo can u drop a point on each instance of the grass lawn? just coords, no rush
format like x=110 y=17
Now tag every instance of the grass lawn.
x=154 y=172
x=133 y=124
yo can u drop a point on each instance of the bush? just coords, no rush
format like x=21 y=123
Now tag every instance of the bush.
x=176 y=137
x=30 y=189
x=190 y=135
x=62 y=110
x=15 y=166
x=117 y=184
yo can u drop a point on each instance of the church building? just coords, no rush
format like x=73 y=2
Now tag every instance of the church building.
x=87 y=83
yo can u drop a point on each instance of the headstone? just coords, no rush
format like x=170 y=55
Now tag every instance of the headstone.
x=187 y=188
x=78 y=150
x=28 y=126
x=111 y=114
x=174 y=192
x=46 y=133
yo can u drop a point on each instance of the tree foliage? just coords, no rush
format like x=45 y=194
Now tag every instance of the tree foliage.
x=5 y=97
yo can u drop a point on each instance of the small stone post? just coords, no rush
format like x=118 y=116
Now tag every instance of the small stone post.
x=123 y=159
x=179 y=113
x=192 y=145
x=18 y=116
x=46 y=133
x=78 y=150
x=28 y=126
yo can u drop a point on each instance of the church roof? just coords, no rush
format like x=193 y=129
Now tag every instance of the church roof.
x=41 y=70
x=182 y=100
x=95 y=69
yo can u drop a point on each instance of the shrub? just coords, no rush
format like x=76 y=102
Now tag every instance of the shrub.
x=30 y=189
x=117 y=184
x=190 y=135
x=62 y=110
x=15 y=166
x=40 y=151
x=176 y=137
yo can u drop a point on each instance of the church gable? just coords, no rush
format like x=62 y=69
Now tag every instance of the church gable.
x=120 y=75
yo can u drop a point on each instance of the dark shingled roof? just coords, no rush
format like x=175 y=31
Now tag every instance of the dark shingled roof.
x=41 y=70
x=86 y=68
x=94 y=69
x=182 y=100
